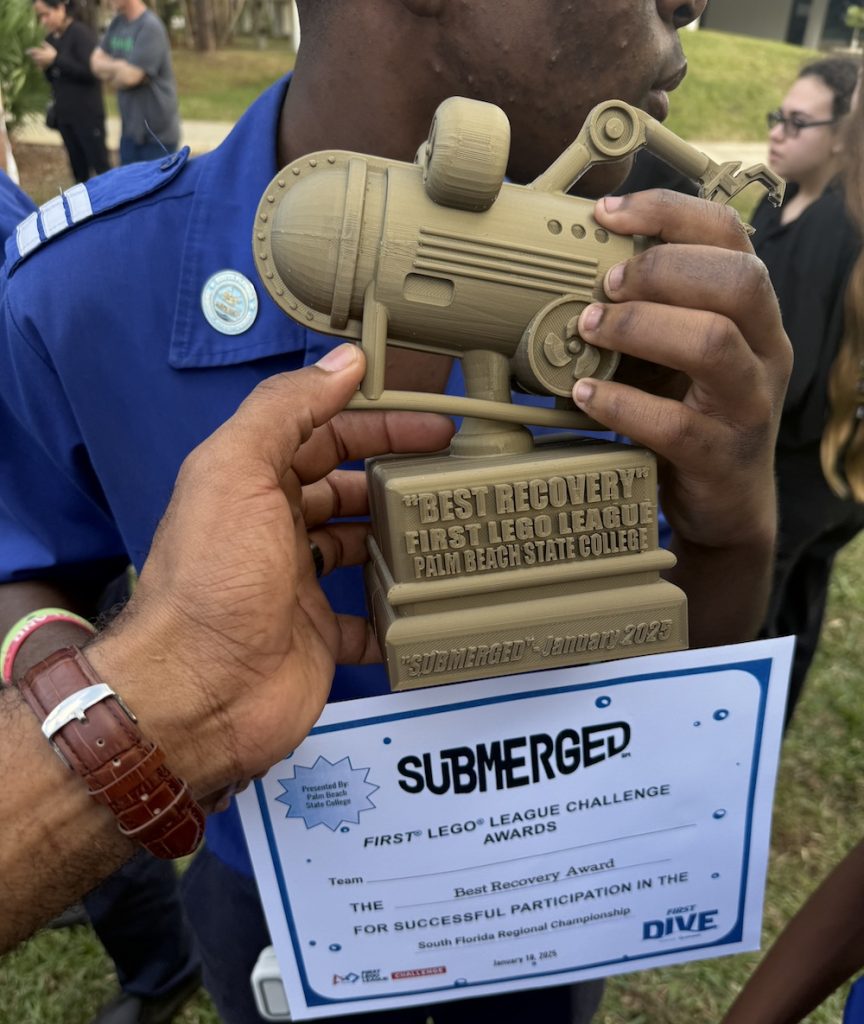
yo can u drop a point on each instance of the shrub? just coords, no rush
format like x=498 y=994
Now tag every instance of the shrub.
x=24 y=87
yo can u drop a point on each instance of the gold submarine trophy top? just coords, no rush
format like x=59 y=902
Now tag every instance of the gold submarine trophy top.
x=507 y=553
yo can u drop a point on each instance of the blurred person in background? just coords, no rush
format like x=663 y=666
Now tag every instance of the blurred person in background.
x=134 y=58
x=823 y=945
x=76 y=111
x=842 y=447
x=809 y=245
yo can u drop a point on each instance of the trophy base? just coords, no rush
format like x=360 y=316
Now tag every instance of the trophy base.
x=525 y=634
x=484 y=566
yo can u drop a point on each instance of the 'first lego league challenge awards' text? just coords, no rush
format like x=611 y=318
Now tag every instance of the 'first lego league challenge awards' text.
x=525 y=831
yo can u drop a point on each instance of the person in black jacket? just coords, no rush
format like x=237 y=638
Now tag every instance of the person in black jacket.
x=79 y=114
x=809 y=246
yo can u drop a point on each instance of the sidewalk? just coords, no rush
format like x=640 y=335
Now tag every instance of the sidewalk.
x=748 y=153
x=202 y=136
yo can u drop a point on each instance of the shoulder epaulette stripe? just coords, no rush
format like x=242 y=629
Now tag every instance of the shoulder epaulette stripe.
x=27 y=234
x=53 y=214
x=78 y=199
x=100 y=195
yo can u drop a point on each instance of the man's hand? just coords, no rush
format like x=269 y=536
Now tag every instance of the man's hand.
x=228 y=620
x=43 y=56
x=101 y=64
x=115 y=71
x=702 y=309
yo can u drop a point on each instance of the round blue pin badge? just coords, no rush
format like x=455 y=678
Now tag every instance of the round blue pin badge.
x=229 y=302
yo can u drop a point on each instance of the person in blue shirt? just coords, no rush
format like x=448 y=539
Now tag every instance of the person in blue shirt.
x=15 y=205
x=117 y=380
x=136 y=912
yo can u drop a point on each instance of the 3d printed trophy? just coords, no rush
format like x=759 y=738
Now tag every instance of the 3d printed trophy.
x=504 y=554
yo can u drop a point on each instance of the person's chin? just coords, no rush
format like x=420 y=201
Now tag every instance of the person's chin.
x=775 y=163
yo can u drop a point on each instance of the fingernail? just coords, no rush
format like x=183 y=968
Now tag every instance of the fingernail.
x=590 y=319
x=583 y=391
x=613 y=203
x=338 y=358
x=615 y=278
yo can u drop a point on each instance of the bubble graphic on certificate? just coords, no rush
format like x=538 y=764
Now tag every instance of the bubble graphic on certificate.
x=327 y=793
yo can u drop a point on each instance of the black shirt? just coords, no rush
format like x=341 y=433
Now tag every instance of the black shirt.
x=77 y=93
x=809 y=261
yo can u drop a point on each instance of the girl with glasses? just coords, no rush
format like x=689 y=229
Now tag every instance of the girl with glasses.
x=809 y=246
x=823 y=945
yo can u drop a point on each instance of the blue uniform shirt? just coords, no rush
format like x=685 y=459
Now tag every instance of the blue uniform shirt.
x=112 y=373
x=15 y=205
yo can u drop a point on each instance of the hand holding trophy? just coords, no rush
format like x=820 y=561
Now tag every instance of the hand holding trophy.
x=504 y=554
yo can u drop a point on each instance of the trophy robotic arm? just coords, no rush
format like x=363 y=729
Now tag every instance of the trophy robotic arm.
x=443 y=256
x=615 y=130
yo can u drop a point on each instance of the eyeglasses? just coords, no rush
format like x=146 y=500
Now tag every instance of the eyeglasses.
x=792 y=124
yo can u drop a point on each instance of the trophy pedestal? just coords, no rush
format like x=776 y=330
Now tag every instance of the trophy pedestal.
x=487 y=566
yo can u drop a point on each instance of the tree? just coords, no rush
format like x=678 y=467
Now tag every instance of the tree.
x=22 y=84
x=854 y=18
x=211 y=23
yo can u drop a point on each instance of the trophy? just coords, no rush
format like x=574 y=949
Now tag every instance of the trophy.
x=505 y=553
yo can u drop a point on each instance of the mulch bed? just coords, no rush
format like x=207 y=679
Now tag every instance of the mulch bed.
x=44 y=170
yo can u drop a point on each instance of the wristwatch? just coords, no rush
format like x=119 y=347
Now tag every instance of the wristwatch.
x=96 y=735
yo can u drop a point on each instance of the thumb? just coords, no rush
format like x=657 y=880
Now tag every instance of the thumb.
x=283 y=410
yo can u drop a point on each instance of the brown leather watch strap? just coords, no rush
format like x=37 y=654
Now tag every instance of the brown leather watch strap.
x=97 y=736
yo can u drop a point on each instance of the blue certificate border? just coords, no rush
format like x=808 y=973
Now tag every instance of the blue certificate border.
x=759 y=668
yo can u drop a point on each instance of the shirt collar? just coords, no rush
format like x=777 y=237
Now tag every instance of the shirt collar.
x=231 y=181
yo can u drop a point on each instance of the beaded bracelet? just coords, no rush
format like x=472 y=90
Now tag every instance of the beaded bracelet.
x=27 y=626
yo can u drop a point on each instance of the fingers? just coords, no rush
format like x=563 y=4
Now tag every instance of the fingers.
x=703 y=307
x=710 y=265
x=357 y=644
x=360 y=435
x=695 y=443
x=340 y=544
x=714 y=303
x=288 y=423
x=705 y=346
x=731 y=285
x=340 y=494
x=673 y=217
x=282 y=411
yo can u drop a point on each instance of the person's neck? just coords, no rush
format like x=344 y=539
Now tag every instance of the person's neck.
x=355 y=109
x=135 y=9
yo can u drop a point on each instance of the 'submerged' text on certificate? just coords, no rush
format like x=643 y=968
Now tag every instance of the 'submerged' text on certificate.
x=519 y=832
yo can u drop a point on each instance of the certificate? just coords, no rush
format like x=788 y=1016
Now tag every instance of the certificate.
x=525 y=831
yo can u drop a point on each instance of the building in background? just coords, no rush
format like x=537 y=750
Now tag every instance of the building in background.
x=817 y=24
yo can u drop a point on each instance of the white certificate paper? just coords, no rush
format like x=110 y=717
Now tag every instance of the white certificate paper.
x=526 y=831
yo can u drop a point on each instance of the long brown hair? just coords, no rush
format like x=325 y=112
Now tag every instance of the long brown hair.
x=842 y=449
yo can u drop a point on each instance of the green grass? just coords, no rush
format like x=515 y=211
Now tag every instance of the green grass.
x=220 y=86
x=733 y=81
x=62 y=977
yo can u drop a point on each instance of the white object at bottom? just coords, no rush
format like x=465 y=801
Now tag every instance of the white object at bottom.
x=267 y=987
